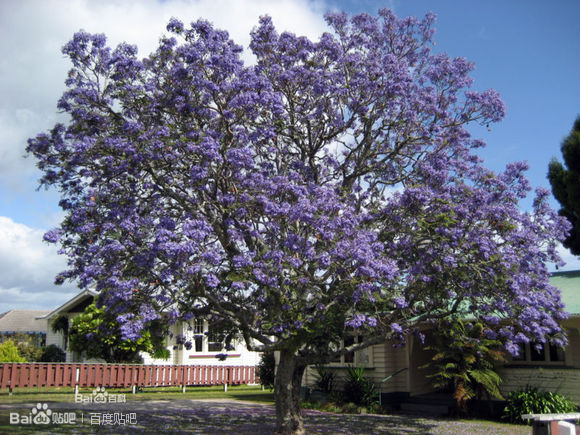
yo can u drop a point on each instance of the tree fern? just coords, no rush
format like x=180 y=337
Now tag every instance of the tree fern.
x=464 y=360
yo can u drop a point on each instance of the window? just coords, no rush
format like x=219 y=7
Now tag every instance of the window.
x=523 y=355
x=215 y=342
x=198 y=327
x=198 y=335
x=204 y=340
x=361 y=357
x=546 y=354
x=198 y=343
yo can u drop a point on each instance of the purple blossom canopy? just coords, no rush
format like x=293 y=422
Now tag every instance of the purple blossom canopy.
x=330 y=187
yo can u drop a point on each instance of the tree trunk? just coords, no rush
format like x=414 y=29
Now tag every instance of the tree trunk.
x=287 y=394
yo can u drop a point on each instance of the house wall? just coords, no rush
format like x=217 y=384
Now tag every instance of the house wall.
x=180 y=355
x=381 y=360
x=563 y=378
x=57 y=338
x=239 y=356
x=389 y=360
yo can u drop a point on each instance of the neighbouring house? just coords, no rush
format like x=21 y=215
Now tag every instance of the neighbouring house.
x=23 y=325
x=551 y=368
x=205 y=350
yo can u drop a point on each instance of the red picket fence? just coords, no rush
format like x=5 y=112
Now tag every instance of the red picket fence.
x=19 y=375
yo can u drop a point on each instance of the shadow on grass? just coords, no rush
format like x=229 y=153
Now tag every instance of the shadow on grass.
x=265 y=397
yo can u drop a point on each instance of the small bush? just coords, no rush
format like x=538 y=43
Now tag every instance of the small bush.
x=350 y=408
x=52 y=353
x=310 y=405
x=29 y=352
x=533 y=401
x=358 y=388
x=324 y=379
x=330 y=407
x=9 y=352
x=267 y=369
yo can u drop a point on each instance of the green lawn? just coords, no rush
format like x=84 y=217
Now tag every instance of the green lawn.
x=237 y=392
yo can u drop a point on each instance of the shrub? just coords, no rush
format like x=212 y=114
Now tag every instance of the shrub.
x=533 y=401
x=9 y=352
x=358 y=388
x=324 y=379
x=52 y=353
x=267 y=369
x=29 y=352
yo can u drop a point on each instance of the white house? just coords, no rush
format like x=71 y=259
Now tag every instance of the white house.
x=204 y=351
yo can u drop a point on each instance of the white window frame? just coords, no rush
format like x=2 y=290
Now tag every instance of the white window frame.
x=361 y=358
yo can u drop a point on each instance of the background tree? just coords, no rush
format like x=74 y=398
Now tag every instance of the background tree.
x=565 y=181
x=97 y=334
x=329 y=189
x=9 y=352
x=267 y=369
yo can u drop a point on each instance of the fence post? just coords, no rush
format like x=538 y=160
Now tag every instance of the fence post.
x=77 y=377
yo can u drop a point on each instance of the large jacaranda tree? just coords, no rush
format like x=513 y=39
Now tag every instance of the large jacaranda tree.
x=331 y=188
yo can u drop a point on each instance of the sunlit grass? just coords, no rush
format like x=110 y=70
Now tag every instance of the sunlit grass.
x=237 y=392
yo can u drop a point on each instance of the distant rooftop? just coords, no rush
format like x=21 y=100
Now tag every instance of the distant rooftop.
x=569 y=285
x=23 y=321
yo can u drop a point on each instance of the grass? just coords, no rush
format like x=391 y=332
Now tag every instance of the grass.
x=47 y=395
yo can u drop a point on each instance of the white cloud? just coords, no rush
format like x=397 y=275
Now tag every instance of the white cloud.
x=32 y=74
x=27 y=269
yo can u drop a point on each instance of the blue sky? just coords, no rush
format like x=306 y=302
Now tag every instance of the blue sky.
x=527 y=50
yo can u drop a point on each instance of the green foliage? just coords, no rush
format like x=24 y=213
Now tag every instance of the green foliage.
x=267 y=369
x=29 y=352
x=464 y=361
x=52 y=353
x=98 y=335
x=358 y=388
x=9 y=352
x=532 y=401
x=29 y=344
x=565 y=183
x=324 y=379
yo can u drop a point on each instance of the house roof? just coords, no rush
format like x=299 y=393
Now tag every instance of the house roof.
x=569 y=285
x=74 y=305
x=25 y=321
